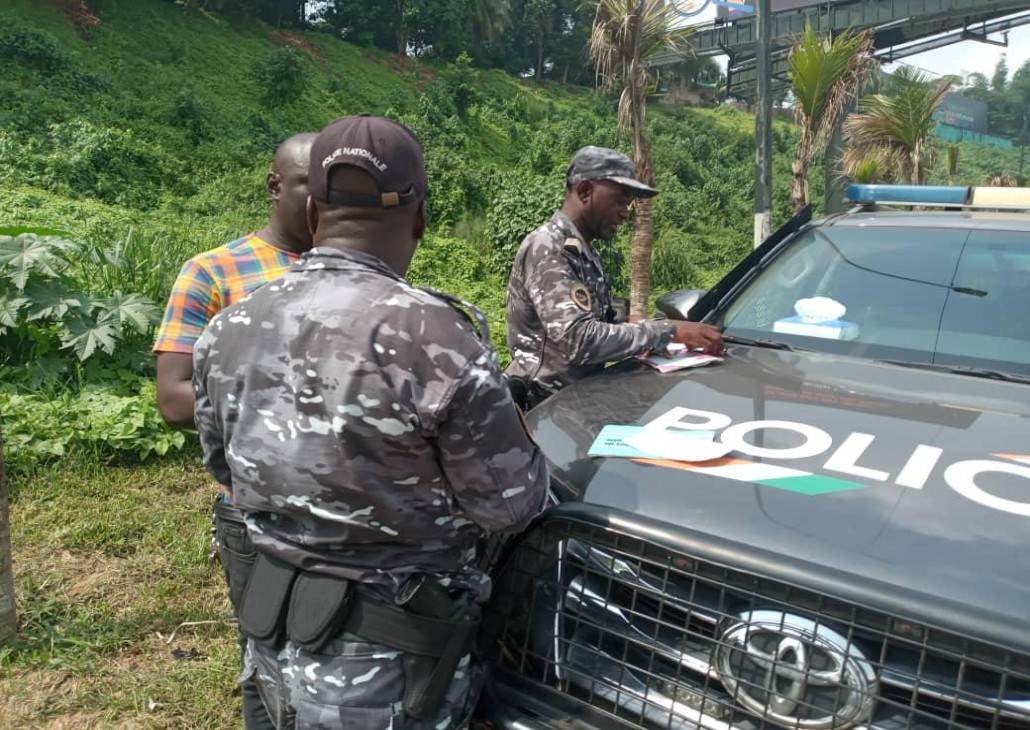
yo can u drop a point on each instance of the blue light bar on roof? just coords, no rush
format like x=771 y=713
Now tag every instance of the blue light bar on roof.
x=907 y=194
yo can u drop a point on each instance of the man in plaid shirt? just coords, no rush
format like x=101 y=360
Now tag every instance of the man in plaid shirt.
x=207 y=283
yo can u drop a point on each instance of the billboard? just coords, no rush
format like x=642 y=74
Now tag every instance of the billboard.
x=690 y=8
x=733 y=9
x=694 y=8
x=962 y=112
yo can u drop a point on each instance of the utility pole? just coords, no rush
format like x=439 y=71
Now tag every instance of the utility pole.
x=763 y=124
x=1022 y=147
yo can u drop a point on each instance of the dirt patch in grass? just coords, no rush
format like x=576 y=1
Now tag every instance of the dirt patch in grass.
x=289 y=38
x=81 y=15
x=25 y=695
x=406 y=66
x=88 y=574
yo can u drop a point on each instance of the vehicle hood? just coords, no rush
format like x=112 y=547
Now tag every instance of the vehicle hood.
x=924 y=481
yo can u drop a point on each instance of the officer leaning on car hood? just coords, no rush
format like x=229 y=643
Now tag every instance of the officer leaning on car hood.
x=370 y=440
x=561 y=322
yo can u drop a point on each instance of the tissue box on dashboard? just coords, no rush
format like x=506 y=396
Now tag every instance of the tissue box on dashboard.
x=834 y=329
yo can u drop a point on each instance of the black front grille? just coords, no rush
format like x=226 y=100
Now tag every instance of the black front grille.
x=665 y=639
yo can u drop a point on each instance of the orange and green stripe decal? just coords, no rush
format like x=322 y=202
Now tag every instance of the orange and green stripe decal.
x=767 y=475
x=1018 y=458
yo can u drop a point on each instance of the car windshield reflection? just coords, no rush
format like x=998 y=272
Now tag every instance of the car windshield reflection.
x=938 y=296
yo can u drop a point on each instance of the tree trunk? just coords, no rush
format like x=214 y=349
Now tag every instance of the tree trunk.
x=402 y=29
x=640 y=256
x=917 y=164
x=540 y=55
x=643 y=216
x=799 y=182
x=8 y=615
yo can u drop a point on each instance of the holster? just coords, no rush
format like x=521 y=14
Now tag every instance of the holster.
x=319 y=605
x=431 y=629
x=261 y=613
x=526 y=393
x=427 y=678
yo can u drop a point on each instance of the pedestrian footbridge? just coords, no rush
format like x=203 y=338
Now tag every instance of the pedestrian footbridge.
x=900 y=28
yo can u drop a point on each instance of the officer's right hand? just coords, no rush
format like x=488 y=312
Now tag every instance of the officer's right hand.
x=695 y=335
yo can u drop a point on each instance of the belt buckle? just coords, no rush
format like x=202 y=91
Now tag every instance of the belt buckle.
x=408 y=590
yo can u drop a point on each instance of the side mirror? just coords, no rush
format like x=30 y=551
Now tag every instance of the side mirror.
x=677 y=304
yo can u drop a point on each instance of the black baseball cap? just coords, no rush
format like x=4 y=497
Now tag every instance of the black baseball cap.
x=387 y=150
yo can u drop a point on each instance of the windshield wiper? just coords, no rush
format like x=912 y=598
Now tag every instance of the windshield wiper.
x=753 y=342
x=962 y=370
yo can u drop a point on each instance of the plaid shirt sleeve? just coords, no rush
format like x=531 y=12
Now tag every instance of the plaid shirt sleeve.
x=194 y=300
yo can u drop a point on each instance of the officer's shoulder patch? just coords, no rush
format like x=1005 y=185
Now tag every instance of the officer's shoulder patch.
x=581 y=297
x=469 y=312
x=573 y=242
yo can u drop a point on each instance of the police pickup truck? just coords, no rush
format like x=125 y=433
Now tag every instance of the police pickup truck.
x=851 y=549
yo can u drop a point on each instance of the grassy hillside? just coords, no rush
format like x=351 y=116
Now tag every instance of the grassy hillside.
x=165 y=120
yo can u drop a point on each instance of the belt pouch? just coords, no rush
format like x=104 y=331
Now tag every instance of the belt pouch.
x=318 y=607
x=262 y=607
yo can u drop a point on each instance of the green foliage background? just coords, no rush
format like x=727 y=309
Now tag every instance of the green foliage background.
x=148 y=142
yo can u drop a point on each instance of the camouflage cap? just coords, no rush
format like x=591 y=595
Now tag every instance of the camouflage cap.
x=601 y=163
x=385 y=149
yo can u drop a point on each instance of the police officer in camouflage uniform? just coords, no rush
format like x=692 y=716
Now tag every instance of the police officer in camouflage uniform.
x=369 y=437
x=561 y=322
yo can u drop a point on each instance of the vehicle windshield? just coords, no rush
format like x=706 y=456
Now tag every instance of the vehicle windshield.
x=940 y=296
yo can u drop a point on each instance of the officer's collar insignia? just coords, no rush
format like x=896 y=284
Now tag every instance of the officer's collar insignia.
x=581 y=297
x=573 y=242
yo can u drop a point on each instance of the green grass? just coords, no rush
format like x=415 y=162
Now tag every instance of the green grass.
x=123 y=622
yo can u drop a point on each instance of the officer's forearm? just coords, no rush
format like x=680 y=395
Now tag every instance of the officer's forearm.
x=590 y=341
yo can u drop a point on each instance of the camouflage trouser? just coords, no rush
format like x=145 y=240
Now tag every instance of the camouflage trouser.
x=350 y=684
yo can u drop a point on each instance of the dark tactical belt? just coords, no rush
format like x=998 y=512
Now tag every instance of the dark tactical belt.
x=283 y=603
x=225 y=511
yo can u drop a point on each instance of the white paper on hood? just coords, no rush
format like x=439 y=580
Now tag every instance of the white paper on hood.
x=676 y=445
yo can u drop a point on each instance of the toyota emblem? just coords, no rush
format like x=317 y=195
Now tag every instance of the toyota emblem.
x=793 y=671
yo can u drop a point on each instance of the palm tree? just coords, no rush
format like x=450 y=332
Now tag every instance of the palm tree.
x=491 y=18
x=8 y=616
x=1001 y=180
x=870 y=170
x=625 y=34
x=825 y=74
x=953 y=154
x=896 y=126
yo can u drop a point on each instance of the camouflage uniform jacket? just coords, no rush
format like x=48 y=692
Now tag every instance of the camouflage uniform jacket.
x=560 y=316
x=364 y=425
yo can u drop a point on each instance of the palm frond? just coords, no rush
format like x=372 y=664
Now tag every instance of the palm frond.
x=825 y=75
x=625 y=34
x=898 y=122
